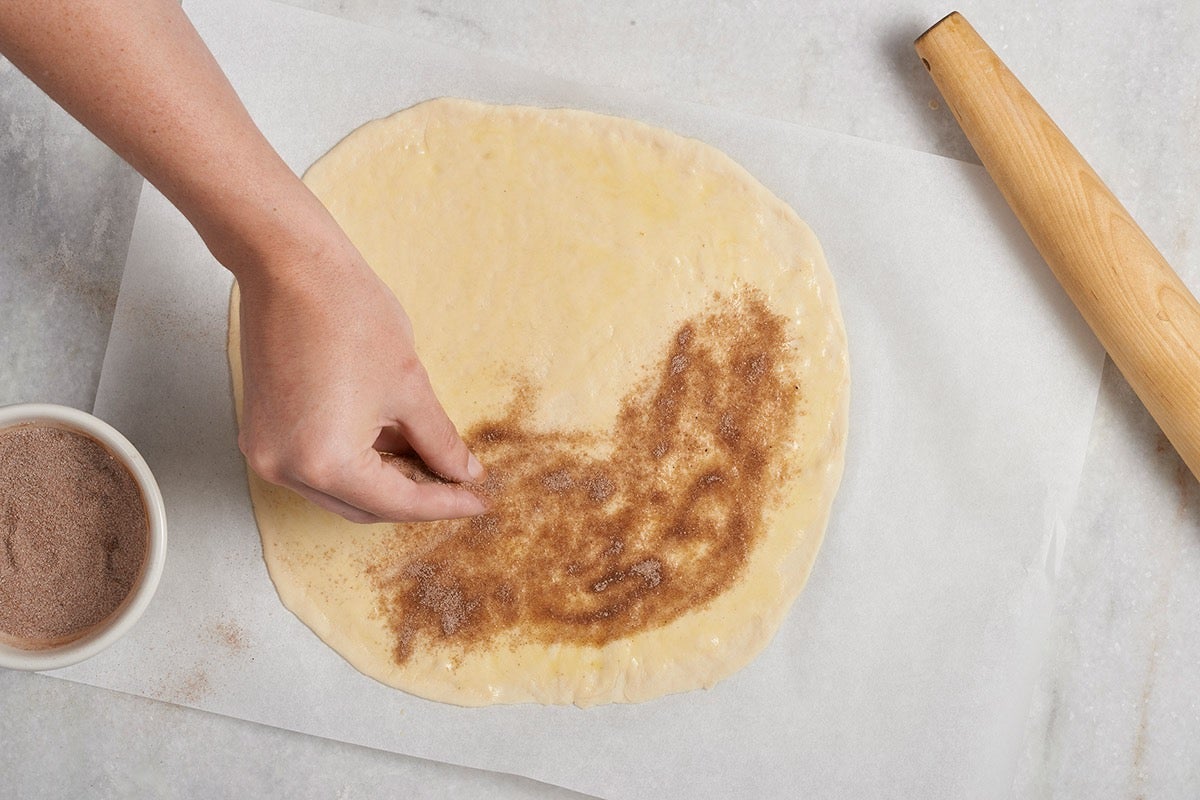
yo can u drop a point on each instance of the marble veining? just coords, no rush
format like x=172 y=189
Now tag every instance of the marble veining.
x=1117 y=709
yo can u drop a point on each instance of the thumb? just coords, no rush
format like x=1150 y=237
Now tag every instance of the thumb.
x=429 y=431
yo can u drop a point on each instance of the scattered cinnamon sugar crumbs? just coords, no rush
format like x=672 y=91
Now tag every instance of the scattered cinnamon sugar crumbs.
x=230 y=635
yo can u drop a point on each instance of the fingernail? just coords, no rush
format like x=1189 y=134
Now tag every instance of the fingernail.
x=474 y=468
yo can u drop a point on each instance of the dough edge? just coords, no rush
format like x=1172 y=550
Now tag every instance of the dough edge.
x=717 y=639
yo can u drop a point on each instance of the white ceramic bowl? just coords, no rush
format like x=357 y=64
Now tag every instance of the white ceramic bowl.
x=139 y=596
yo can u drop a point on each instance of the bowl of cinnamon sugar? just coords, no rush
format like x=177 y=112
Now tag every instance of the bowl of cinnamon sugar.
x=83 y=536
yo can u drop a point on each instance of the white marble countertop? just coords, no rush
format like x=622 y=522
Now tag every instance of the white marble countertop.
x=1116 y=709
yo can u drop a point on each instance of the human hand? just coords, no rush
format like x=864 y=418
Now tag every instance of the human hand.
x=330 y=374
x=332 y=379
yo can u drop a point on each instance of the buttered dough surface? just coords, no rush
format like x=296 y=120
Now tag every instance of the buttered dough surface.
x=643 y=345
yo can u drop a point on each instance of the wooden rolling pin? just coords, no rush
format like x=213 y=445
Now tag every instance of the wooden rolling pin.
x=1141 y=311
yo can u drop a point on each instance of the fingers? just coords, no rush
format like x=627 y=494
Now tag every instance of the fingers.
x=430 y=433
x=333 y=504
x=391 y=440
x=369 y=485
x=364 y=488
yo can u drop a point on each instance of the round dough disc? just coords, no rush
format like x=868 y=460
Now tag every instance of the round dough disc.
x=644 y=347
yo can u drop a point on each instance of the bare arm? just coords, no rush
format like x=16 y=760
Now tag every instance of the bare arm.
x=330 y=369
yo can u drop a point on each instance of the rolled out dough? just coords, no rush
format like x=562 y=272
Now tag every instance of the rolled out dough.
x=644 y=346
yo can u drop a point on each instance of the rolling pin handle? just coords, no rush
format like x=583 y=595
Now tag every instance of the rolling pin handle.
x=1136 y=304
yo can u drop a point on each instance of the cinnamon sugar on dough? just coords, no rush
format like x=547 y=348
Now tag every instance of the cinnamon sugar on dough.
x=644 y=347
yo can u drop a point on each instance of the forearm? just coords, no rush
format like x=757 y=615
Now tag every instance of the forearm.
x=136 y=73
x=331 y=372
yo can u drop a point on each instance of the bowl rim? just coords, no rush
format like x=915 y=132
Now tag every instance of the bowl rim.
x=131 y=609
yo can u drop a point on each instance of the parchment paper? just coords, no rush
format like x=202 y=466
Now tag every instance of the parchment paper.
x=905 y=667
